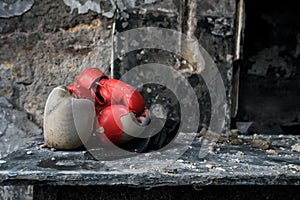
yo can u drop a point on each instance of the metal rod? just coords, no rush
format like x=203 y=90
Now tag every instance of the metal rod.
x=112 y=48
x=240 y=21
x=239 y=29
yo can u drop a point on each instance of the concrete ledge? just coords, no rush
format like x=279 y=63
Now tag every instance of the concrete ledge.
x=225 y=164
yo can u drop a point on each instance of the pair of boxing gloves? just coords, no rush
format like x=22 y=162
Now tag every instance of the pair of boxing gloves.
x=93 y=103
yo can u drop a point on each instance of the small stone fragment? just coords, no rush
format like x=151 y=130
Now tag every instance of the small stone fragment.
x=233 y=133
x=202 y=132
x=271 y=151
x=294 y=168
x=236 y=141
x=260 y=144
x=170 y=170
x=43 y=146
x=210 y=166
x=2 y=162
x=29 y=152
x=223 y=138
x=296 y=147
x=220 y=169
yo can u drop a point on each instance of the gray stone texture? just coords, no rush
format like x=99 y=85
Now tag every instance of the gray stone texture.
x=47 y=43
x=233 y=160
x=210 y=22
x=53 y=41
x=47 y=47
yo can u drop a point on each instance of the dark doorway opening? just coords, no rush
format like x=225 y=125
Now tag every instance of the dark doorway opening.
x=269 y=93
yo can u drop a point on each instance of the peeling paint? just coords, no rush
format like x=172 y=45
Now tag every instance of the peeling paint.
x=83 y=8
x=90 y=5
x=17 y=8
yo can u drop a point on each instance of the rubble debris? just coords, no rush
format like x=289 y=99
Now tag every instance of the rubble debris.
x=260 y=144
x=240 y=153
x=202 y=132
x=271 y=151
x=296 y=147
x=233 y=133
x=294 y=168
x=170 y=170
x=233 y=137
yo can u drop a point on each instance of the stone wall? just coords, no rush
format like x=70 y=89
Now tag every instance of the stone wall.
x=46 y=47
x=44 y=44
x=52 y=41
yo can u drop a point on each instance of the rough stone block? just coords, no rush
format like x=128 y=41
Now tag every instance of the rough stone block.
x=46 y=47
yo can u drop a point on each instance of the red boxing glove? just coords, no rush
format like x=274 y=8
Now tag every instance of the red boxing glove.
x=85 y=84
x=120 y=100
x=109 y=123
x=113 y=99
x=115 y=92
x=93 y=84
x=119 y=124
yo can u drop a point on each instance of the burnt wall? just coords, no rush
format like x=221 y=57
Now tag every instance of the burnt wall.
x=46 y=47
x=44 y=44
x=269 y=83
x=210 y=22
